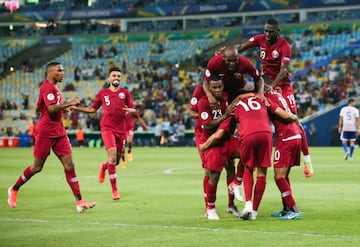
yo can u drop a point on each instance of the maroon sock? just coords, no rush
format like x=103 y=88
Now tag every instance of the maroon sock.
x=211 y=195
x=112 y=176
x=286 y=193
x=239 y=173
x=73 y=182
x=230 y=193
x=259 y=191
x=205 y=181
x=248 y=180
x=25 y=176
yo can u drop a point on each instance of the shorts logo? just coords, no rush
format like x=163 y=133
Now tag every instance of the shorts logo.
x=121 y=95
x=275 y=54
x=193 y=101
x=204 y=115
x=50 y=96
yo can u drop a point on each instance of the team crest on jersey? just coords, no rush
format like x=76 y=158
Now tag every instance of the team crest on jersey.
x=204 y=115
x=237 y=75
x=193 y=101
x=251 y=39
x=207 y=73
x=50 y=96
x=121 y=95
x=275 y=54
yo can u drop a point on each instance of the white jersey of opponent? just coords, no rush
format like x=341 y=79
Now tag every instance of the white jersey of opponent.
x=349 y=114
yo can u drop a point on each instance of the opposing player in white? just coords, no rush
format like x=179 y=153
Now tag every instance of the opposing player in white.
x=349 y=127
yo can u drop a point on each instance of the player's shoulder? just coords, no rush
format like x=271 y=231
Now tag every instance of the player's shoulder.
x=216 y=59
x=257 y=37
x=198 y=92
x=203 y=99
x=243 y=60
x=284 y=41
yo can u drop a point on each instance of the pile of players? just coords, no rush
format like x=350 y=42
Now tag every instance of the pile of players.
x=233 y=121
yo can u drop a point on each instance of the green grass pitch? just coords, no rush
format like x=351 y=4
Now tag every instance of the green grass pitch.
x=162 y=203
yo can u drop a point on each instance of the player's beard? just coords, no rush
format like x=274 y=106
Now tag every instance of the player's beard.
x=115 y=83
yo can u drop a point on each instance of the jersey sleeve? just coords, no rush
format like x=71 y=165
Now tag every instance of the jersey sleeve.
x=286 y=53
x=212 y=67
x=204 y=111
x=49 y=95
x=196 y=96
x=272 y=104
x=250 y=68
x=254 y=40
x=98 y=101
x=129 y=100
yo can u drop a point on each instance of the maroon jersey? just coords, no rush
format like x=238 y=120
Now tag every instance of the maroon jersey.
x=113 y=103
x=234 y=81
x=206 y=115
x=196 y=96
x=50 y=124
x=272 y=55
x=282 y=129
x=251 y=113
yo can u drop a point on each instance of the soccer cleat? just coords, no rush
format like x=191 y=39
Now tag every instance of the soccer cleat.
x=130 y=157
x=101 y=173
x=253 y=215
x=247 y=211
x=123 y=164
x=346 y=156
x=211 y=214
x=279 y=214
x=12 y=194
x=292 y=216
x=233 y=210
x=81 y=205
x=115 y=195
x=236 y=189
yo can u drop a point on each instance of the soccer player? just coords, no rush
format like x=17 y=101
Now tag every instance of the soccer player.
x=234 y=68
x=229 y=167
x=116 y=102
x=275 y=56
x=349 y=124
x=129 y=122
x=287 y=153
x=51 y=134
x=213 y=159
x=255 y=150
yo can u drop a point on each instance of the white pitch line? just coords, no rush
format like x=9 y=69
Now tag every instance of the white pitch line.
x=173 y=171
x=169 y=171
x=190 y=228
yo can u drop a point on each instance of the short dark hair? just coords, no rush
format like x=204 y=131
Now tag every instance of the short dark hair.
x=215 y=77
x=272 y=21
x=351 y=100
x=114 y=69
x=49 y=65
